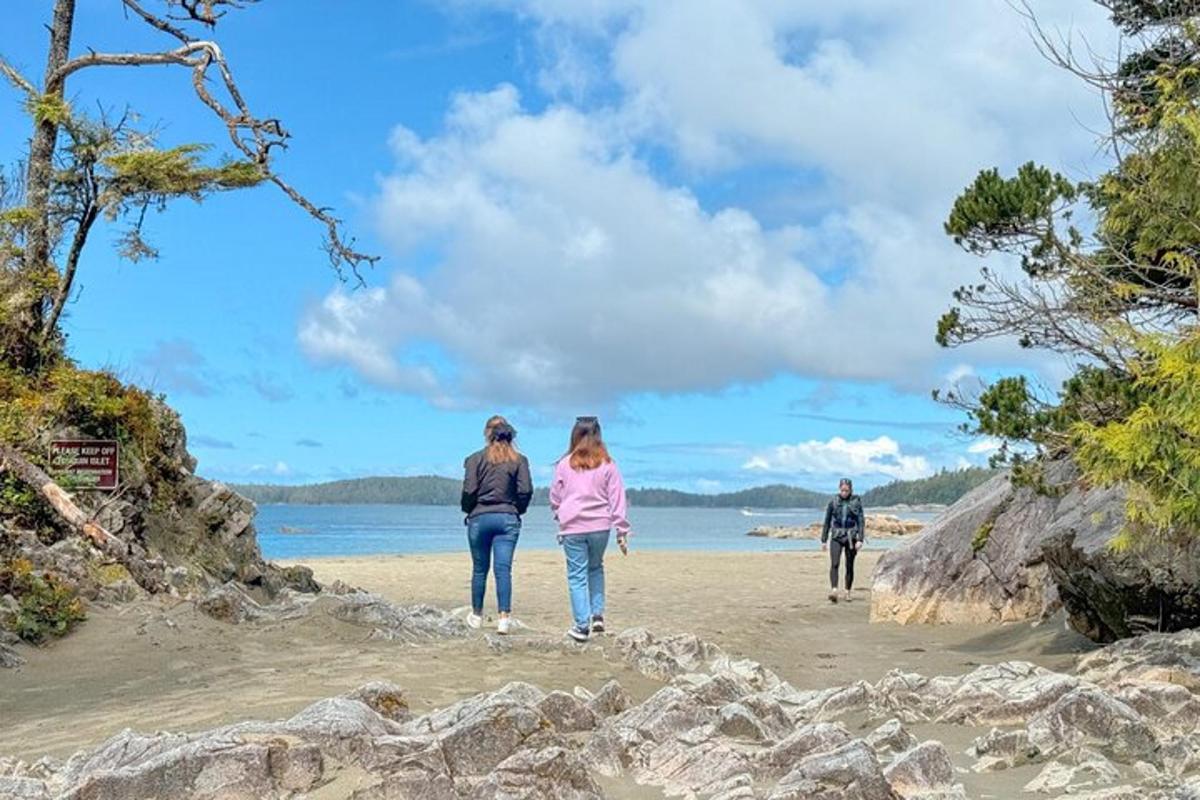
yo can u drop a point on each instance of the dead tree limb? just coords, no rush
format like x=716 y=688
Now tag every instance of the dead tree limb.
x=62 y=503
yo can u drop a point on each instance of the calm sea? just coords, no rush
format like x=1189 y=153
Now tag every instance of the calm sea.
x=302 y=531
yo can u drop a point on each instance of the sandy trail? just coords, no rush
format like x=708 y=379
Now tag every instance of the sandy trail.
x=162 y=666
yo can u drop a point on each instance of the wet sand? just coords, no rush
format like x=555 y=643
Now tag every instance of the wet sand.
x=159 y=665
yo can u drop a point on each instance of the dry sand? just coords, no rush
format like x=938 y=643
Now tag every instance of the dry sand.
x=162 y=666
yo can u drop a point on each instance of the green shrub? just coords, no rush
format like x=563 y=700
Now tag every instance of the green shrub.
x=46 y=607
x=982 y=536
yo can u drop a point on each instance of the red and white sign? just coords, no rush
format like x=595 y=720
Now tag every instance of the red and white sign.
x=90 y=463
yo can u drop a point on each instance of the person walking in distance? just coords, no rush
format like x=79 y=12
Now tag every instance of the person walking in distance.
x=587 y=497
x=496 y=491
x=843 y=534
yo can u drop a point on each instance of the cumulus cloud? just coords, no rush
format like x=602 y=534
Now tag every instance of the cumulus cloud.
x=569 y=271
x=838 y=456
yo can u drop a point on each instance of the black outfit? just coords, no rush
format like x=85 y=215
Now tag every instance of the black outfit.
x=844 y=524
x=503 y=488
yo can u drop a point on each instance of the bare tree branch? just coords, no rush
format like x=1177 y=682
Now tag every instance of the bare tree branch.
x=157 y=22
x=179 y=56
x=18 y=80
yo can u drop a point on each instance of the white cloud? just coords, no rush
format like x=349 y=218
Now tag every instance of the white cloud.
x=984 y=447
x=570 y=272
x=841 y=457
x=279 y=468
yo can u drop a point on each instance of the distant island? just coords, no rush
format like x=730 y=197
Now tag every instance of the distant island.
x=941 y=489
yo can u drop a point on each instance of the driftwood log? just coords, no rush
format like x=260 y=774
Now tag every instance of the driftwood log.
x=146 y=573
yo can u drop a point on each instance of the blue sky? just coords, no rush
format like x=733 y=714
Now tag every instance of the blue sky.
x=717 y=225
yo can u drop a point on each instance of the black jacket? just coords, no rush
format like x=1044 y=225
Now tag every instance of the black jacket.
x=504 y=488
x=844 y=515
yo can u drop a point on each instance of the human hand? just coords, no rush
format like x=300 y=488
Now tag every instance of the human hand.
x=824 y=547
x=623 y=543
x=858 y=545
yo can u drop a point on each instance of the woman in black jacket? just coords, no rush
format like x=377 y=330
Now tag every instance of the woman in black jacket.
x=496 y=492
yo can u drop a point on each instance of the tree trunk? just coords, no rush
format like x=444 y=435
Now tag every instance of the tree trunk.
x=39 y=177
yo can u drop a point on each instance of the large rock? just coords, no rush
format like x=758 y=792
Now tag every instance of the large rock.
x=1152 y=586
x=1171 y=658
x=1003 y=554
x=923 y=771
x=1090 y=717
x=981 y=560
x=553 y=773
x=850 y=772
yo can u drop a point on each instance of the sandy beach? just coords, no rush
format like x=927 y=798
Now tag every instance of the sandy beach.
x=159 y=665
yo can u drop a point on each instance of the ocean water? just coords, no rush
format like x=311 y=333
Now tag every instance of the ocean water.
x=305 y=531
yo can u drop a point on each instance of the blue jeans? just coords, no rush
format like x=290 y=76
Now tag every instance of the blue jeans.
x=492 y=535
x=585 y=574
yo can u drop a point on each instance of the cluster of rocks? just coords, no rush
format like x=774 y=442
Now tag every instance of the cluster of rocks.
x=877 y=526
x=184 y=535
x=1004 y=553
x=719 y=727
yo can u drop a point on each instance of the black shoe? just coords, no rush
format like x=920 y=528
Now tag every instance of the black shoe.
x=597 y=624
x=578 y=634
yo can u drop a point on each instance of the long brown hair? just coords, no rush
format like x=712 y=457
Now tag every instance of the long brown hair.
x=499 y=435
x=587 y=450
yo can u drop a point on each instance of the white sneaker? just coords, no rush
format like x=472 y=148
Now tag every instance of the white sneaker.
x=474 y=620
x=846 y=598
x=833 y=595
x=504 y=626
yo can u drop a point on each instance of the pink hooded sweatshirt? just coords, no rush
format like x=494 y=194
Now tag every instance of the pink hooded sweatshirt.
x=586 y=501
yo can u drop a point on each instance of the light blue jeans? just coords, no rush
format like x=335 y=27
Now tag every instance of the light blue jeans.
x=492 y=535
x=585 y=574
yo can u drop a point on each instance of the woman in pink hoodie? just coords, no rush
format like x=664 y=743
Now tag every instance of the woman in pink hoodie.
x=588 y=500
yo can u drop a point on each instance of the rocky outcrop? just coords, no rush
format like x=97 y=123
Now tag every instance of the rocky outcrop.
x=982 y=560
x=1153 y=585
x=1004 y=554
x=719 y=727
x=183 y=535
x=878 y=526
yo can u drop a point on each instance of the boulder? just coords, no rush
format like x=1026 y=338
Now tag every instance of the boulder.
x=214 y=765
x=981 y=560
x=1057 y=777
x=567 y=713
x=923 y=771
x=393 y=622
x=1169 y=658
x=551 y=773
x=850 y=772
x=1005 y=553
x=1154 y=585
x=1003 y=750
x=611 y=699
x=890 y=738
x=385 y=699
x=665 y=657
x=1089 y=717
x=994 y=694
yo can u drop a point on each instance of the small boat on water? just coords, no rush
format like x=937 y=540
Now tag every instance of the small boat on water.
x=293 y=529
